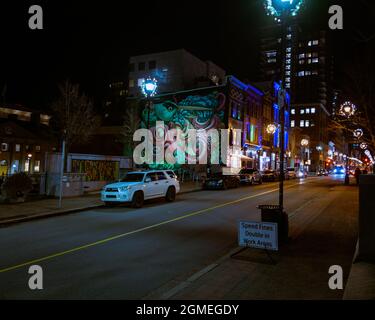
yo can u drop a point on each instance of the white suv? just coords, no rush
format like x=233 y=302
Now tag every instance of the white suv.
x=138 y=186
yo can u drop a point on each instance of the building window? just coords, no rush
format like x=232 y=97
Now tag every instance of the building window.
x=152 y=65
x=18 y=148
x=292 y=123
x=302 y=111
x=289 y=49
x=131 y=83
x=293 y=111
x=271 y=54
x=315 y=60
x=131 y=67
x=37 y=166
x=287 y=85
x=301 y=56
x=315 y=42
x=141 y=66
x=307 y=123
x=4 y=147
x=37 y=148
x=302 y=123
x=273 y=60
x=302 y=61
x=308 y=110
x=313 y=110
x=301 y=73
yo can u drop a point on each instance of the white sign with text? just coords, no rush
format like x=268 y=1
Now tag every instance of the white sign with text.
x=260 y=235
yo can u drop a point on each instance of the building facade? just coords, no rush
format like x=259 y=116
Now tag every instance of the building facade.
x=174 y=70
x=25 y=138
x=308 y=77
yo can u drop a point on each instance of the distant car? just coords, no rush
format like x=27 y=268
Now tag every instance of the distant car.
x=250 y=176
x=221 y=181
x=338 y=170
x=138 y=186
x=322 y=172
x=269 y=175
x=292 y=173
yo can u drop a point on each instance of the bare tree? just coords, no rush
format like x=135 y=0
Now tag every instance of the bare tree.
x=132 y=122
x=360 y=89
x=74 y=116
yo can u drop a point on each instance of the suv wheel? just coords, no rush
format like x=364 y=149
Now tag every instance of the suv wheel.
x=171 y=194
x=137 y=201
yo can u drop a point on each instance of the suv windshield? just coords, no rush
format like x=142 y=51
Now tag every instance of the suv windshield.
x=133 y=177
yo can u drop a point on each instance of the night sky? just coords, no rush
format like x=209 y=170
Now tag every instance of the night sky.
x=90 y=42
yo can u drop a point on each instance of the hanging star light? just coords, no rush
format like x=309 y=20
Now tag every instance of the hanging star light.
x=276 y=8
x=358 y=133
x=363 y=145
x=347 y=109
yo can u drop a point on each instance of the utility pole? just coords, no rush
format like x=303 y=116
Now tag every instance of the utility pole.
x=61 y=172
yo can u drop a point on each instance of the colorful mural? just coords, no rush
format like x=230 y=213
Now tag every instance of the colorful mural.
x=96 y=170
x=191 y=112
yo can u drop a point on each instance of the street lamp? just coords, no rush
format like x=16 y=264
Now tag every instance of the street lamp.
x=319 y=148
x=282 y=10
x=271 y=128
x=149 y=87
x=348 y=109
x=304 y=144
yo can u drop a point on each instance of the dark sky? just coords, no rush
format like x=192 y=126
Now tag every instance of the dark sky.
x=90 y=42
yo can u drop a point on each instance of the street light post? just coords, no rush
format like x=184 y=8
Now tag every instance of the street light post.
x=348 y=109
x=149 y=87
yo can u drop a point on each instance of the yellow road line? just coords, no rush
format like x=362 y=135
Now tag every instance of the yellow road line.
x=138 y=230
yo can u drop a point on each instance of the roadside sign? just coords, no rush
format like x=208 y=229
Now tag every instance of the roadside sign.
x=260 y=235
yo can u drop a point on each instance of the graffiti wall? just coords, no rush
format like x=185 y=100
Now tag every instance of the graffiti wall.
x=196 y=111
x=96 y=170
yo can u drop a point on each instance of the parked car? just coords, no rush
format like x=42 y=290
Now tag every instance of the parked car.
x=292 y=173
x=221 y=181
x=138 y=186
x=322 y=172
x=250 y=176
x=269 y=175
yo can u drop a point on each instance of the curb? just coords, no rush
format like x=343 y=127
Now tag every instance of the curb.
x=49 y=214
x=10 y=221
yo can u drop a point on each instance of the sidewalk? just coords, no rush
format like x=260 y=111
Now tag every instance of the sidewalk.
x=322 y=234
x=13 y=213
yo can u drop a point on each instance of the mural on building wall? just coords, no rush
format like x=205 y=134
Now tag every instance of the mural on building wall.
x=191 y=112
x=96 y=170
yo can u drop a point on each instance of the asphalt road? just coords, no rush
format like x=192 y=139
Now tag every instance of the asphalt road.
x=125 y=253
